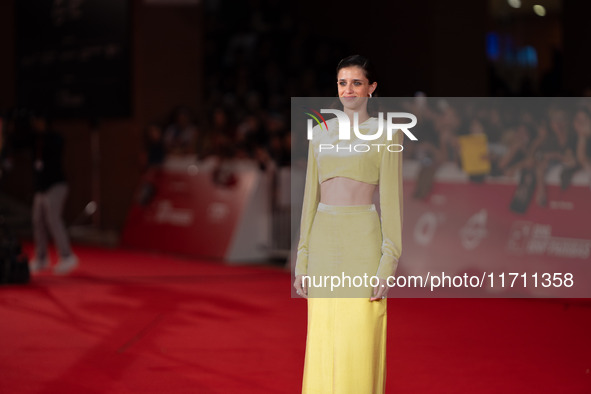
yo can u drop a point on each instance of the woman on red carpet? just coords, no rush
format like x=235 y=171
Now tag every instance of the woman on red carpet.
x=341 y=234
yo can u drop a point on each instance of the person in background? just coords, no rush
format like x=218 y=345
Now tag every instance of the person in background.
x=155 y=151
x=557 y=147
x=181 y=135
x=582 y=126
x=51 y=191
x=151 y=160
x=517 y=155
x=438 y=144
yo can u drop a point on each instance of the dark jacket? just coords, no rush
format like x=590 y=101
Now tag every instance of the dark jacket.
x=47 y=149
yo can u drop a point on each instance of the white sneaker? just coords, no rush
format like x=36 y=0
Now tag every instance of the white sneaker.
x=66 y=265
x=37 y=265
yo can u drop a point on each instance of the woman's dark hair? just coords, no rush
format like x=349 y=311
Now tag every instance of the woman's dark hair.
x=359 y=61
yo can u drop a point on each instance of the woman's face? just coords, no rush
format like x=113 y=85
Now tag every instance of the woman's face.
x=352 y=84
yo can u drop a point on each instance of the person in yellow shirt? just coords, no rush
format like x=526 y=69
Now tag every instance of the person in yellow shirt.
x=342 y=235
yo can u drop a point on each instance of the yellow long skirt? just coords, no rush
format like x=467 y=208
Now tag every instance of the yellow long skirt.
x=346 y=341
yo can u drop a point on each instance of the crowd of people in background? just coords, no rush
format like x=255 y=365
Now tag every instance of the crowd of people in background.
x=255 y=65
x=525 y=139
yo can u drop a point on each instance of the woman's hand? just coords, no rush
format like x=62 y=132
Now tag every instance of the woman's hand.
x=380 y=291
x=301 y=288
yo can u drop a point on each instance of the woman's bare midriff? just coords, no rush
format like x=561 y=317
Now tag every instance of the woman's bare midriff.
x=346 y=191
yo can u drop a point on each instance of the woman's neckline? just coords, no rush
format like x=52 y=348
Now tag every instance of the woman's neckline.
x=366 y=120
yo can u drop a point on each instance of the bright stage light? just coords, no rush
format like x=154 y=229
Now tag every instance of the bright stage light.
x=539 y=10
x=514 y=3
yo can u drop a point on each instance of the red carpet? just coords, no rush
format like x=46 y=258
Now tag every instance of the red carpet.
x=133 y=322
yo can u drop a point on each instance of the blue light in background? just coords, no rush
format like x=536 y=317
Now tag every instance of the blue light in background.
x=528 y=56
x=493 y=47
x=508 y=53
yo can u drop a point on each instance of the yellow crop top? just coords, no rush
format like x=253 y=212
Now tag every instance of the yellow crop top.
x=383 y=168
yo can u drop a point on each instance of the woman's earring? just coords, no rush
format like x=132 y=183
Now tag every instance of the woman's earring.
x=370 y=95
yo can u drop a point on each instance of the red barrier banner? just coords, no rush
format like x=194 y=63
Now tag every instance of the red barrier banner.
x=469 y=228
x=200 y=209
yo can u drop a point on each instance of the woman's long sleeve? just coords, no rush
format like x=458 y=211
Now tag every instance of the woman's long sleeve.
x=310 y=203
x=391 y=209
